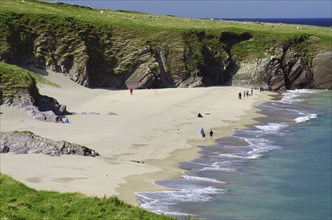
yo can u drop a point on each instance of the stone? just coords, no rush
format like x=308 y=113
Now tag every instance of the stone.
x=39 y=116
x=142 y=77
x=30 y=108
x=111 y=113
x=26 y=142
x=62 y=110
x=32 y=112
x=86 y=83
x=277 y=82
x=295 y=72
x=49 y=116
x=322 y=70
x=4 y=149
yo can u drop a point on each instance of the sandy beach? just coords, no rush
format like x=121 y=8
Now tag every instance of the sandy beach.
x=159 y=127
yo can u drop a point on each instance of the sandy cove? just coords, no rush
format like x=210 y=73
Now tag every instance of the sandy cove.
x=159 y=127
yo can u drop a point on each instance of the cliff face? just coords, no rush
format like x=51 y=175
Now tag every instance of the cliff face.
x=291 y=67
x=100 y=56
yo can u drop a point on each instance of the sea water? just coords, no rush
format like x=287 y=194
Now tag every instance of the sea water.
x=322 y=22
x=278 y=169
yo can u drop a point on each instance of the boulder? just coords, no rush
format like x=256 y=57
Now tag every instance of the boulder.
x=20 y=102
x=50 y=116
x=39 y=116
x=62 y=110
x=4 y=149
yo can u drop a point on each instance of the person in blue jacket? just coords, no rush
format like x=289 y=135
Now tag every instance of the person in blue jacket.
x=202 y=133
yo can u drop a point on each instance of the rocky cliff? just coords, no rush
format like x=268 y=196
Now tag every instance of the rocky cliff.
x=290 y=67
x=122 y=56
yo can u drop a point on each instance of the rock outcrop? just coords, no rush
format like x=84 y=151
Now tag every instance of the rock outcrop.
x=43 y=108
x=322 y=70
x=25 y=142
x=289 y=68
x=18 y=88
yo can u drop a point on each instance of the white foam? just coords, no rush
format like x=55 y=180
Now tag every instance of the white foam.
x=292 y=96
x=227 y=169
x=258 y=142
x=174 y=213
x=205 y=179
x=257 y=152
x=305 y=118
x=231 y=156
x=173 y=197
x=271 y=127
x=305 y=91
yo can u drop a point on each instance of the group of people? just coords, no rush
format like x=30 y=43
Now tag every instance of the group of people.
x=203 y=133
x=246 y=93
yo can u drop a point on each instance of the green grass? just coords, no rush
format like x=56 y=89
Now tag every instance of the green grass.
x=17 y=72
x=121 y=32
x=17 y=82
x=109 y=42
x=20 y=202
x=146 y=24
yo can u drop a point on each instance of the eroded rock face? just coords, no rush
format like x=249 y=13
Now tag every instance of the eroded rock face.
x=322 y=70
x=295 y=72
x=251 y=73
x=26 y=142
x=287 y=70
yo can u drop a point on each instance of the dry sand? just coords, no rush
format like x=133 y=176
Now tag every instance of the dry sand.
x=159 y=127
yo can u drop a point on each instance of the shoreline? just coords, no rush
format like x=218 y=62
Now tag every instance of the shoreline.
x=170 y=165
x=152 y=126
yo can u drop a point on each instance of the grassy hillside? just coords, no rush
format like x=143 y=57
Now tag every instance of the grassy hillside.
x=20 y=202
x=121 y=49
x=147 y=24
x=17 y=82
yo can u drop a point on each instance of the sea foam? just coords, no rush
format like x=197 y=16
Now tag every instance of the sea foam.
x=204 y=179
x=272 y=127
x=305 y=118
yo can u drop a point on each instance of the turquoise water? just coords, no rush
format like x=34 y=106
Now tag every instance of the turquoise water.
x=282 y=171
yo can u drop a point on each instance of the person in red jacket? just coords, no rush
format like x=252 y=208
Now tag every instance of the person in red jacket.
x=131 y=90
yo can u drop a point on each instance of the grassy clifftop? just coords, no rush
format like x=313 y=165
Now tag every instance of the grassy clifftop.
x=151 y=25
x=17 y=82
x=121 y=49
x=147 y=23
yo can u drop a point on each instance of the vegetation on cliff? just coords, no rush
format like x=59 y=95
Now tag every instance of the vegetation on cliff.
x=17 y=82
x=21 y=202
x=122 y=49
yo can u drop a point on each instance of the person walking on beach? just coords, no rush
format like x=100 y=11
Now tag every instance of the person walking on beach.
x=211 y=134
x=131 y=90
x=240 y=95
x=202 y=133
